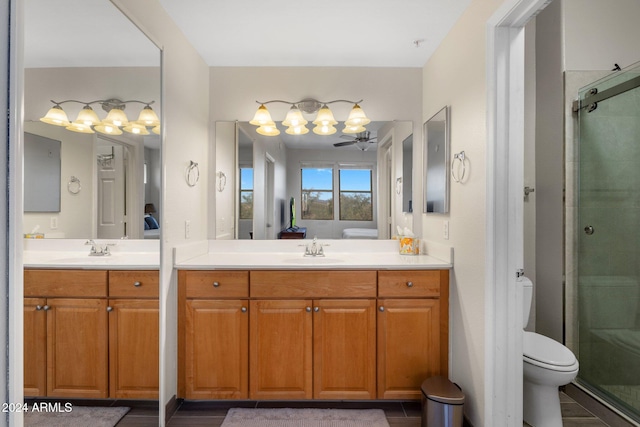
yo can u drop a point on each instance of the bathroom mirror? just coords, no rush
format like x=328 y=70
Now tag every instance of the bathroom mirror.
x=436 y=152
x=41 y=174
x=407 y=172
x=67 y=65
x=286 y=166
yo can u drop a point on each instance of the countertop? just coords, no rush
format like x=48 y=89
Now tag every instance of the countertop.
x=74 y=254
x=282 y=254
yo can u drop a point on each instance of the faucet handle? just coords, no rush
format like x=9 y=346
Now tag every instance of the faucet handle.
x=89 y=242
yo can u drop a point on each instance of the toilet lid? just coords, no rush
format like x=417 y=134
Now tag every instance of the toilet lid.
x=543 y=349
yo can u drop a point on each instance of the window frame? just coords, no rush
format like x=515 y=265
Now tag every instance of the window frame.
x=329 y=191
x=242 y=190
x=368 y=168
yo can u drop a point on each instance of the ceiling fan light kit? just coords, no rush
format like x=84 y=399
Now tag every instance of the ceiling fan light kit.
x=115 y=122
x=296 y=123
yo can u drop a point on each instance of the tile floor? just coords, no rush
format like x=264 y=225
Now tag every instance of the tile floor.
x=399 y=414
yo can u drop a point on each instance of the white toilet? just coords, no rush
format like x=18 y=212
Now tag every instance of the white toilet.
x=547 y=365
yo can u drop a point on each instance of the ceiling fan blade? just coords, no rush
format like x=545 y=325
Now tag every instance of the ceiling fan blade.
x=342 y=144
x=349 y=136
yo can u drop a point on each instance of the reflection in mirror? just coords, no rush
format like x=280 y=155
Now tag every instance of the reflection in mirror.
x=407 y=171
x=101 y=183
x=41 y=174
x=436 y=135
x=333 y=188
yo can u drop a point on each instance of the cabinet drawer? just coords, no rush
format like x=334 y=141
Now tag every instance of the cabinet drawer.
x=216 y=284
x=133 y=284
x=313 y=284
x=65 y=283
x=409 y=283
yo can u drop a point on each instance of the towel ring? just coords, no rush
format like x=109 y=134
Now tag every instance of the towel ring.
x=222 y=181
x=461 y=165
x=192 y=174
x=74 y=185
x=398 y=185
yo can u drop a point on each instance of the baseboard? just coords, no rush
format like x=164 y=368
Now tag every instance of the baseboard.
x=597 y=408
x=171 y=407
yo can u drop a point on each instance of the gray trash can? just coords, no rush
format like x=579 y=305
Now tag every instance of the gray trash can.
x=442 y=403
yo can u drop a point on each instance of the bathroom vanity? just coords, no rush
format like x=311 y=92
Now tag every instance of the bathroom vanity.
x=91 y=324
x=277 y=325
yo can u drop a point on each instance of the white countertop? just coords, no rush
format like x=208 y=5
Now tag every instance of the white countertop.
x=289 y=254
x=73 y=253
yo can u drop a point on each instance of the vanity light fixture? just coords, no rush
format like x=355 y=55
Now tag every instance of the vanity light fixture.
x=115 y=122
x=296 y=123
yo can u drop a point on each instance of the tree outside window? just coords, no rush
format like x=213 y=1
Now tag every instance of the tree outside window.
x=246 y=193
x=356 y=196
x=317 y=193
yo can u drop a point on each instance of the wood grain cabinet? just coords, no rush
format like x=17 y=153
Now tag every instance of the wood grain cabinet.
x=214 y=340
x=73 y=333
x=311 y=334
x=412 y=330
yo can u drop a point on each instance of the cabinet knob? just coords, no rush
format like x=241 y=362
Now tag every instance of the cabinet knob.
x=216 y=284
x=243 y=309
x=409 y=284
x=45 y=308
x=137 y=284
x=38 y=307
x=109 y=308
x=316 y=309
x=308 y=309
x=381 y=308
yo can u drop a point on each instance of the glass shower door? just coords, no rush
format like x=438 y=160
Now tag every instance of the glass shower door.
x=608 y=242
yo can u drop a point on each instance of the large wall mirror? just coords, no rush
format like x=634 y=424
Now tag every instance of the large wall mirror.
x=436 y=151
x=326 y=186
x=86 y=50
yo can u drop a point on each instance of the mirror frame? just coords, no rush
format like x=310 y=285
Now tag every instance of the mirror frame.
x=444 y=181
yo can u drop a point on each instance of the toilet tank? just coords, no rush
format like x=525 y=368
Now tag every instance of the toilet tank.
x=527 y=299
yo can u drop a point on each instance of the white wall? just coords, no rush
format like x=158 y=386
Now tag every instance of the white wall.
x=185 y=100
x=225 y=161
x=455 y=75
x=599 y=33
x=388 y=93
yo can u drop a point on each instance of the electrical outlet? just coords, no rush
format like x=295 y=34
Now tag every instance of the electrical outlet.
x=187 y=229
x=445 y=229
x=54 y=223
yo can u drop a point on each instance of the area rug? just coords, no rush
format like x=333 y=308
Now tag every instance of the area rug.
x=287 y=417
x=79 y=416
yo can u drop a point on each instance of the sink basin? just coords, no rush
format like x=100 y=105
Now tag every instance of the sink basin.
x=313 y=260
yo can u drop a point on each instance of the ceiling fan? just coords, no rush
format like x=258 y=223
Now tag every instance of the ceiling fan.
x=361 y=140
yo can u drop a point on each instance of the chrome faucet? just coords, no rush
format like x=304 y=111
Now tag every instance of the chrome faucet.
x=98 y=250
x=314 y=248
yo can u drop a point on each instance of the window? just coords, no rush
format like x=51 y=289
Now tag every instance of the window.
x=356 y=197
x=246 y=193
x=317 y=193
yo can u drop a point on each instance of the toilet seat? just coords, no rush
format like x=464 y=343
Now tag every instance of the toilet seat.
x=544 y=352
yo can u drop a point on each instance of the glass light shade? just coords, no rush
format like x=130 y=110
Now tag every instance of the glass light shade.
x=294 y=118
x=80 y=127
x=56 y=116
x=156 y=130
x=362 y=145
x=297 y=130
x=148 y=117
x=357 y=117
x=324 y=118
x=116 y=117
x=262 y=117
x=108 y=129
x=324 y=129
x=268 y=129
x=136 y=129
x=354 y=129
x=87 y=116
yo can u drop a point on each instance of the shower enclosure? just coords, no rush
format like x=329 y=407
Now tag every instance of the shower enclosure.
x=607 y=244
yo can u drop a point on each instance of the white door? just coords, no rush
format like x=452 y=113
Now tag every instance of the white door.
x=111 y=191
x=270 y=230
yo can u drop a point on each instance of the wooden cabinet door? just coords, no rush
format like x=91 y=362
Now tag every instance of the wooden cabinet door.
x=77 y=348
x=216 y=349
x=281 y=349
x=35 y=347
x=408 y=346
x=133 y=349
x=344 y=348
